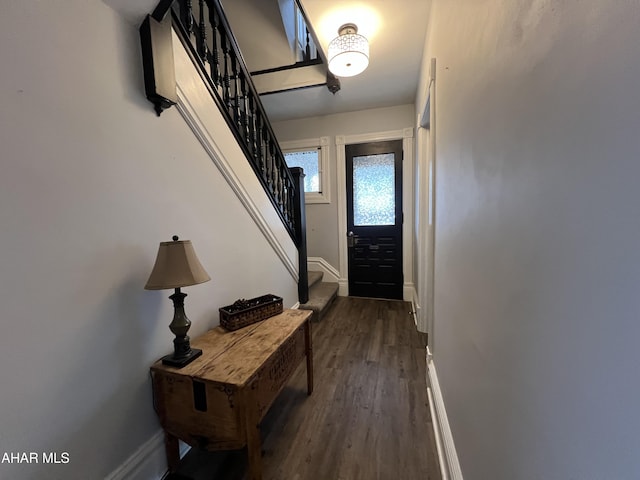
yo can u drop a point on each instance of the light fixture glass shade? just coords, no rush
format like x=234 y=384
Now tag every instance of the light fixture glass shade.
x=348 y=52
x=176 y=266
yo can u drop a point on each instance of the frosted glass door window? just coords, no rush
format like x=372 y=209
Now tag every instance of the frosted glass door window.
x=374 y=195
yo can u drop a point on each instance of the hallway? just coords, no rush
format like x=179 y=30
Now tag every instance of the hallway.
x=368 y=417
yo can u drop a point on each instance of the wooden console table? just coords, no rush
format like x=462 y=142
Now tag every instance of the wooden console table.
x=218 y=401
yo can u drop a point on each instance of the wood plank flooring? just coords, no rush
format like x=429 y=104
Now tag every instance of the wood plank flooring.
x=368 y=417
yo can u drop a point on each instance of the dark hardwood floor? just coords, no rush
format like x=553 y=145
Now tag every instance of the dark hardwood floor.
x=368 y=417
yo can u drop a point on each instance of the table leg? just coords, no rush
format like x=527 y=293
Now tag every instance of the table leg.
x=254 y=443
x=172 y=449
x=309 y=351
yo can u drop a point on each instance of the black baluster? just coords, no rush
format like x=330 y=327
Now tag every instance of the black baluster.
x=284 y=192
x=264 y=146
x=257 y=147
x=260 y=137
x=215 y=60
x=276 y=181
x=242 y=107
x=285 y=198
x=249 y=114
x=270 y=166
x=226 y=94
x=257 y=135
x=265 y=173
x=279 y=185
x=273 y=167
x=307 y=49
x=201 y=40
x=285 y=203
x=253 y=127
x=236 y=103
x=267 y=143
x=187 y=16
x=276 y=187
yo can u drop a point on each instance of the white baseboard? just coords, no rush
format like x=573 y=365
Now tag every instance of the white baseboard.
x=408 y=291
x=343 y=287
x=414 y=311
x=319 y=264
x=149 y=462
x=447 y=455
x=146 y=463
x=420 y=316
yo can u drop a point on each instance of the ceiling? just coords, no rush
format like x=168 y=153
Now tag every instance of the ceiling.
x=396 y=31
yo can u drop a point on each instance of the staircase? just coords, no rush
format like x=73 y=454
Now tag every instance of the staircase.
x=321 y=295
x=285 y=56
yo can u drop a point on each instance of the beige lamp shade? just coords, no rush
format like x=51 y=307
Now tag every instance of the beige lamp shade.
x=176 y=266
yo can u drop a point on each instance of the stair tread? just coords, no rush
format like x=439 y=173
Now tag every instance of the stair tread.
x=321 y=295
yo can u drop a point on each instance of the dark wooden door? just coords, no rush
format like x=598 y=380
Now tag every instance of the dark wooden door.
x=374 y=219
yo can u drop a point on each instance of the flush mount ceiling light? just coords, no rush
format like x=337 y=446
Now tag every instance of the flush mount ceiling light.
x=348 y=52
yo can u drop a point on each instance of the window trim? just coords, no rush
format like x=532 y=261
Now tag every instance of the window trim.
x=322 y=144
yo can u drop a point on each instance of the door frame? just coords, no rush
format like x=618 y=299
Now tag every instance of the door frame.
x=426 y=191
x=406 y=135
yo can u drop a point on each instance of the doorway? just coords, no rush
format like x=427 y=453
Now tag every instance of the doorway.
x=374 y=219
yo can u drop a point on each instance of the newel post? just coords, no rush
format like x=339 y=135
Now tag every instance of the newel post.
x=301 y=233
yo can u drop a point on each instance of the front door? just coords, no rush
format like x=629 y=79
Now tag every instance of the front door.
x=374 y=219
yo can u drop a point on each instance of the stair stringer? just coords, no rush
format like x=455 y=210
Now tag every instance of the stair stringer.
x=297 y=77
x=201 y=114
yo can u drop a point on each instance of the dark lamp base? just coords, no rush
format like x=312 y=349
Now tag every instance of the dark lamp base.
x=180 y=362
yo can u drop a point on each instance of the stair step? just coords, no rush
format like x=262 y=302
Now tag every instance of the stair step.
x=314 y=277
x=321 y=297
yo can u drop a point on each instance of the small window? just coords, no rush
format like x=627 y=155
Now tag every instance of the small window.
x=308 y=160
x=312 y=156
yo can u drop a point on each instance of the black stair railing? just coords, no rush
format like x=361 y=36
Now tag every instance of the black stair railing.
x=205 y=33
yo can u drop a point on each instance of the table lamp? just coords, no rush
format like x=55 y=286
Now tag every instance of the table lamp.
x=178 y=266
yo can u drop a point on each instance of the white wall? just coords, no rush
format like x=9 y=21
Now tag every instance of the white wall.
x=537 y=264
x=322 y=219
x=91 y=182
x=249 y=17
